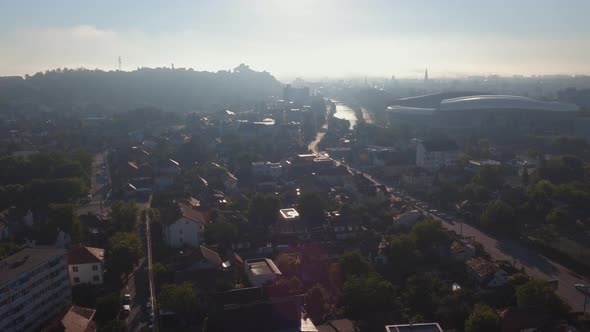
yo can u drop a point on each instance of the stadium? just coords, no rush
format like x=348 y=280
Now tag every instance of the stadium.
x=480 y=112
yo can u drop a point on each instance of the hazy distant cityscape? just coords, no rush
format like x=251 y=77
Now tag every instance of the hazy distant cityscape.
x=348 y=172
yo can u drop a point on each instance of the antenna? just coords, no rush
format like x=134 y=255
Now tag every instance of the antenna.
x=119 y=62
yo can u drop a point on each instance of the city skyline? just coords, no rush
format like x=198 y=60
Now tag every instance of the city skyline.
x=305 y=38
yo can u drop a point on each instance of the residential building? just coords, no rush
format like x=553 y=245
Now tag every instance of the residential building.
x=267 y=169
x=187 y=229
x=261 y=271
x=289 y=222
x=485 y=273
x=78 y=319
x=86 y=265
x=34 y=283
x=422 y=327
x=435 y=155
x=462 y=251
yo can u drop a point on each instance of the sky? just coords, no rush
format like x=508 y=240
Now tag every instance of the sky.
x=300 y=38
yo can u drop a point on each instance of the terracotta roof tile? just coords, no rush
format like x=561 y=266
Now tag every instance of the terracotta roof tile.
x=85 y=255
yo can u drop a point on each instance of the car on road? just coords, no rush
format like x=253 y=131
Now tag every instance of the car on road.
x=126 y=309
x=126 y=298
x=582 y=288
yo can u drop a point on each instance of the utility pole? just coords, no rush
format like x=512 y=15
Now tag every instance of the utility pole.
x=119 y=63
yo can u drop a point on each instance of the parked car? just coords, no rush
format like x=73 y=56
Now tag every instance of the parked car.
x=127 y=298
x=126 y=309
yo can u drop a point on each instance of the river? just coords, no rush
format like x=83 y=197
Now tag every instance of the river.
x=345 y=112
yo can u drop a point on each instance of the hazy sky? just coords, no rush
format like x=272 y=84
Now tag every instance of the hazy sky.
x=308 y=38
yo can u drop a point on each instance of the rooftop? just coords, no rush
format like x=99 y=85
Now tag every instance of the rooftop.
x=439 y=145
x=423 y=327
x=503 y=102
x=78 y=319
x=262 y=266
x=482 y=267
x=26 y=260
x=85 y=255
x=188 y=212
x=289 y=214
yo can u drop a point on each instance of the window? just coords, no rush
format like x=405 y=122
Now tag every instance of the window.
x=96 y=278
x=76 y=280
x=94 y=267
x=75 y=268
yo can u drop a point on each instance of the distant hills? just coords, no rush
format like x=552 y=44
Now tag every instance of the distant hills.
x=99 y=92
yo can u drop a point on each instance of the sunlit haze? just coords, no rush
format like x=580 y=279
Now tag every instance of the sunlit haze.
x=311 y=39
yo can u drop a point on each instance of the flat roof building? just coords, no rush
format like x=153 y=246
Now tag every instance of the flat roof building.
x=261 y=271
x=423 y=327
x=34 y=283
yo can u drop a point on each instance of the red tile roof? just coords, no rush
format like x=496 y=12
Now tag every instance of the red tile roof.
x=78 y=319
x=85 y=255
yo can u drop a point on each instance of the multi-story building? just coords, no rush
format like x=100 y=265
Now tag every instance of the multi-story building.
x=434 y=155
x=86 y=265
x=34 y=283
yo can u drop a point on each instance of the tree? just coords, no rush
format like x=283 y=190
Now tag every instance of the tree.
x=317 y=303
x=560 y=217
x=402 y=253
x=115 y=325
x=311 y=208
x=482 y=319
x=538 y=292
x=107 y=307
x=525 y=176
x=221 y=233
x=263 y=209
x=498 y=215
x=352 y=264
x=427 y=233
x=124 y=215
x=65 y=217
x=288 y=264
x=180 y=299
x=124 y=250
x=363 y=296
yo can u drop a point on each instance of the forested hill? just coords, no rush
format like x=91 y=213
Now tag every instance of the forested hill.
x=95 y=91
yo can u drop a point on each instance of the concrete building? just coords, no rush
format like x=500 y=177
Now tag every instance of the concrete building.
x=261 y=271
x=186 y=230
x=435 y=155
x=289 y=221
x=267 y=169
x=34 y=283
x=86 y=265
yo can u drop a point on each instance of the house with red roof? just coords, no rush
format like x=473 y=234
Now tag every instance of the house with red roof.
x=86 y=265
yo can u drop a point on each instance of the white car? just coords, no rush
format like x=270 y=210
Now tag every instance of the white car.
x=126 y=309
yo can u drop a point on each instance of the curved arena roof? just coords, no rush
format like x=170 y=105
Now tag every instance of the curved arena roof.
x=503 y=102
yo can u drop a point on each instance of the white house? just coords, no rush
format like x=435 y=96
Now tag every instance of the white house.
x=434 y=155
x=86 y=265
x=186 y=230
x=261 y=271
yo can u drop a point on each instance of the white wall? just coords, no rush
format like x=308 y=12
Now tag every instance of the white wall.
x=183 y=232
x=86 y=274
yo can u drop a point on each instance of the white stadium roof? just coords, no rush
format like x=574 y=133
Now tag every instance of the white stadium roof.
x=503 y=102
